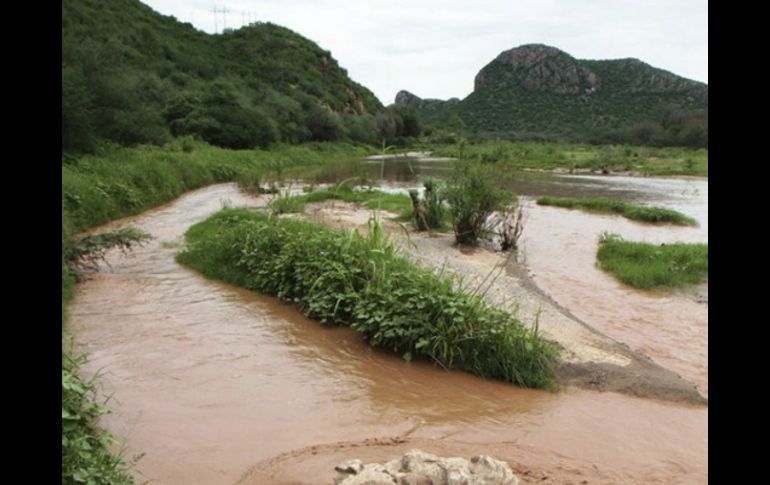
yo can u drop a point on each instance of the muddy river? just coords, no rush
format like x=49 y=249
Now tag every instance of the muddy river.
x=213 y=384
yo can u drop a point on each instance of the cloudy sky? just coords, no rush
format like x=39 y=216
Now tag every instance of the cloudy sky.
x=434 y=48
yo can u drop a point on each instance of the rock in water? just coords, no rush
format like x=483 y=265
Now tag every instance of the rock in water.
x=417 y=467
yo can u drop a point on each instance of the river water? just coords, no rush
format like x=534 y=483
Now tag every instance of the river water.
x=209 y=380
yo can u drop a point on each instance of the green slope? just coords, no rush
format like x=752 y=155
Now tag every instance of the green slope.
x=132 y=75
x=540 y=92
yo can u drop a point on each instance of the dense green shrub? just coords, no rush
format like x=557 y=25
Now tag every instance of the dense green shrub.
x=348 y=279
x=474 y=193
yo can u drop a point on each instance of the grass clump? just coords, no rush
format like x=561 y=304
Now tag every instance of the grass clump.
x=629 y=211
x=285 y=203
x=648 y=266
x=345 y=278
x=85 y=452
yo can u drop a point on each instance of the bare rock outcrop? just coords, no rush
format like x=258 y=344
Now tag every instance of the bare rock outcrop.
x=538 y=67
x=417 y=467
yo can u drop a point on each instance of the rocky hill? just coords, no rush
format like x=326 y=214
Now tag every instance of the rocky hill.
x=536 y=91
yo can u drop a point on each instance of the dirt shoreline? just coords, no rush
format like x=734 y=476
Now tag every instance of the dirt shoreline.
x=590 y=359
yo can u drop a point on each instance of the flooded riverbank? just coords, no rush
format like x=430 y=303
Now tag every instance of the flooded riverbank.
x=210 y=380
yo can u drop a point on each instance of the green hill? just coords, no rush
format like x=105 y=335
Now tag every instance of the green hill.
x=539 y=92
x=132 y=75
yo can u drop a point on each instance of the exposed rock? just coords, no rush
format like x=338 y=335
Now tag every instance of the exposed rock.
x=409 y=100
x=372 y=474
x=486 y=469
x=539 y=67
x=350 y=466
x=417 y=467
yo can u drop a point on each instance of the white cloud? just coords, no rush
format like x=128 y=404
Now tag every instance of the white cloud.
x=434 y=48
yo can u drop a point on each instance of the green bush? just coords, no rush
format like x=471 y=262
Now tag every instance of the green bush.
x=474 y=194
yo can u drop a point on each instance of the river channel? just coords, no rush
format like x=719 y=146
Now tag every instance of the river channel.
x=209 y=380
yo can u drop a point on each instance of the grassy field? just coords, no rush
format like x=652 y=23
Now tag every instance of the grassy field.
x=630 y=211
x=610 y=158
x=344 y=278
x=649 y=266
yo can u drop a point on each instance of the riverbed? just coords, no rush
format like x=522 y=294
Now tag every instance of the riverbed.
x=214 y=384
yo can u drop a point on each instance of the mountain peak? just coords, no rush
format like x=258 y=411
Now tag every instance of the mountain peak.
x=538 y=67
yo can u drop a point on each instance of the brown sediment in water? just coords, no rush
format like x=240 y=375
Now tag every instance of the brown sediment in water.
x=668 y=326
x=590 y=358
x=209 y=380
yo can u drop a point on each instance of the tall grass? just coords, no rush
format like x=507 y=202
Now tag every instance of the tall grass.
x=345 y=278
x=648 y=266
x=629 y=211
x=117 y=181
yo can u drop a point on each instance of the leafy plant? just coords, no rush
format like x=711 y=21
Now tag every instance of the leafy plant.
x=86 y=456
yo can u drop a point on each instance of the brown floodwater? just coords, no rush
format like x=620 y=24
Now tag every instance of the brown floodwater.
x=559 y=247
x=208 y=380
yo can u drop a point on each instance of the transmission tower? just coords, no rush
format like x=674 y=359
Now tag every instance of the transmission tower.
x=216 y=28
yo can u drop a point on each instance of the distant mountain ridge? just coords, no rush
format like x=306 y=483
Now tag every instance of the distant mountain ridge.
x=535 y=89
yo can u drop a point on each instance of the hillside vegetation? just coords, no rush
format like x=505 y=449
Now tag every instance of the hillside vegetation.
x=134 y=76
x=536 y=92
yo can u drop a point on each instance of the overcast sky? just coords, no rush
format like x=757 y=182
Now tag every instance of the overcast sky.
x=434 y=48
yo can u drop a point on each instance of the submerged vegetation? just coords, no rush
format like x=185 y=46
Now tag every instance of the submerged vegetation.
x=344 y=278
x=630 y=211
x=648 y=266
